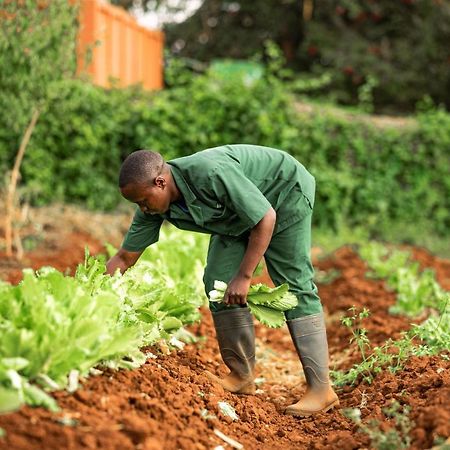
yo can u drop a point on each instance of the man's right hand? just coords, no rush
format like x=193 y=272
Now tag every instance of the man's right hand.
x=122 y=260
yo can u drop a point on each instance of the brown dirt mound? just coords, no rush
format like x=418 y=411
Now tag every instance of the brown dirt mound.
x=64 y=255
x=441 y=266
x=169 y=404
x=159 y=406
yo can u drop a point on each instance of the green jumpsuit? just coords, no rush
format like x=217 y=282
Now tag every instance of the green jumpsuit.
x=227 y=190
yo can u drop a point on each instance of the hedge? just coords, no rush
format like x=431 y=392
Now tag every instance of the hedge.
x=366 y=176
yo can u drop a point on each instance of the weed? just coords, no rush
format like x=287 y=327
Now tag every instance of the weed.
x=359 y=334
x=393 y=353
x=396 y=437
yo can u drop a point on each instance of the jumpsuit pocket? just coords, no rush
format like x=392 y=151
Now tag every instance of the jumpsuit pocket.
x=293 y=212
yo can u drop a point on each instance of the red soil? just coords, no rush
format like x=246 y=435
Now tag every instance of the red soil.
x=64 y=255
x=159 y=406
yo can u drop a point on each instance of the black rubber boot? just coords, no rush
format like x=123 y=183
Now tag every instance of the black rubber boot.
x=236 y=337
x=310 y=339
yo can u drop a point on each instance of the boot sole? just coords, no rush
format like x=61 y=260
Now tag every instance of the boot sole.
x=310 y=413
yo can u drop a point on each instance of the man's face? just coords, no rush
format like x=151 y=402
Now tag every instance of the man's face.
x=151 y=199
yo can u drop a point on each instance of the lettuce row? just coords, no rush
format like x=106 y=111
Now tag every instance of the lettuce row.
x=55 y=328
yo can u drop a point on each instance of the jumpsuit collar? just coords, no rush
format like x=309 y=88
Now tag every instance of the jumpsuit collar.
x=189 y=197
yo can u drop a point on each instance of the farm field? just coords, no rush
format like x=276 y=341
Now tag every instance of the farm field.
x=168 y=403
x=200 y=123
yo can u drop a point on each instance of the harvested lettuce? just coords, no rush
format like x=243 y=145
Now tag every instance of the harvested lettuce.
x=266 y=304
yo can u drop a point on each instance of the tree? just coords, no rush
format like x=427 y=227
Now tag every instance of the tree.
x=402 y=45
x=238 y=29
x=227 y=28
x=394 y=51
x=37 y=49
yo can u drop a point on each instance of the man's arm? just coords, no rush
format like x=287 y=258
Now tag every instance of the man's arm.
x=122 y=260
x=143 y=231
x=259 y=240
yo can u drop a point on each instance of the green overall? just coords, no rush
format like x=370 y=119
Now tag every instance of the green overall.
x=227 y=190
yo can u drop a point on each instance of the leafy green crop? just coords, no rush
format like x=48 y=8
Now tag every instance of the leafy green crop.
x=416 y=291
x=55 y=327
x=267 y=304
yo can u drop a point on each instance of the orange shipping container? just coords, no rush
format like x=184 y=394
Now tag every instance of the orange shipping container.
x=112 y=46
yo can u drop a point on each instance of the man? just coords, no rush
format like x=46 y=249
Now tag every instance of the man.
x=254 y=201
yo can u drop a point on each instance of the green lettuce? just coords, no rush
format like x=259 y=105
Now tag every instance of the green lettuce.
x=266 y=304
x=52 y=325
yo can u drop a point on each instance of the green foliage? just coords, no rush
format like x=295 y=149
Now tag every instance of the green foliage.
x=37 y=48
x=434 y=335
x=435 y=331
x=93 y=318
x=392 y=356
x=366 y=177
x=416 y=291
x=210 y=112
x=359 y=334
x=384 y=54
x=267 y=304
x=396 y=437
x=76 y=151
x=390 y=47
x=234 y=29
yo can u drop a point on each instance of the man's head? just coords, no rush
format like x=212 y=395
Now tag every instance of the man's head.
x=145 y=179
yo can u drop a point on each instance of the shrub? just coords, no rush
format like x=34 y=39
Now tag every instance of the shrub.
x=365 y=175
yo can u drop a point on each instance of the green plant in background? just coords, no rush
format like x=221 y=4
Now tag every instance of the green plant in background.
x=94 y=318
x=37 y=48
x=396 y=437
x=383 y=263
x=434 y=338
x=181 y=71
x=326 y=277
x=416 y=291
x=391 y=356
x=359 y=334
x=379 y=356
x=75 y=153
x=435 y=331
x=365 y=94
x=397 y=43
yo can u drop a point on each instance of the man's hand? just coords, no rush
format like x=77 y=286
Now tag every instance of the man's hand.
x=236 y=293
x=122 y=260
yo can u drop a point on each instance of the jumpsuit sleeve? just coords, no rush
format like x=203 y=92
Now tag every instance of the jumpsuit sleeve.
x=234 y=190
x=143 y=231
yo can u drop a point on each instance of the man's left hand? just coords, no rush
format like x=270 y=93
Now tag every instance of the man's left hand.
x=236 y=293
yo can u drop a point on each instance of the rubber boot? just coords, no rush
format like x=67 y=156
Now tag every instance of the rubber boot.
x=310 y=339
x=236 y=338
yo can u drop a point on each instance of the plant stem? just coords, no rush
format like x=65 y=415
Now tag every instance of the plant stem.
x=9 y=214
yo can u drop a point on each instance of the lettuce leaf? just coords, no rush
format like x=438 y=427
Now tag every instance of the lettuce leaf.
x=52 y=324
x=267 y=304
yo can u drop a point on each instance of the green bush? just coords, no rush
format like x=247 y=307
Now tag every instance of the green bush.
x=376 y=177
x=365 y=176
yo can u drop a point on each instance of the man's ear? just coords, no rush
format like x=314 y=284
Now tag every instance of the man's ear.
x=160 y=182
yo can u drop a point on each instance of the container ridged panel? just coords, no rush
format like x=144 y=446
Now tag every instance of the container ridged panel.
x=121 y=49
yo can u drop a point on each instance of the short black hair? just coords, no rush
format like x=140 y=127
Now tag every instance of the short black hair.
x=141 y=166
